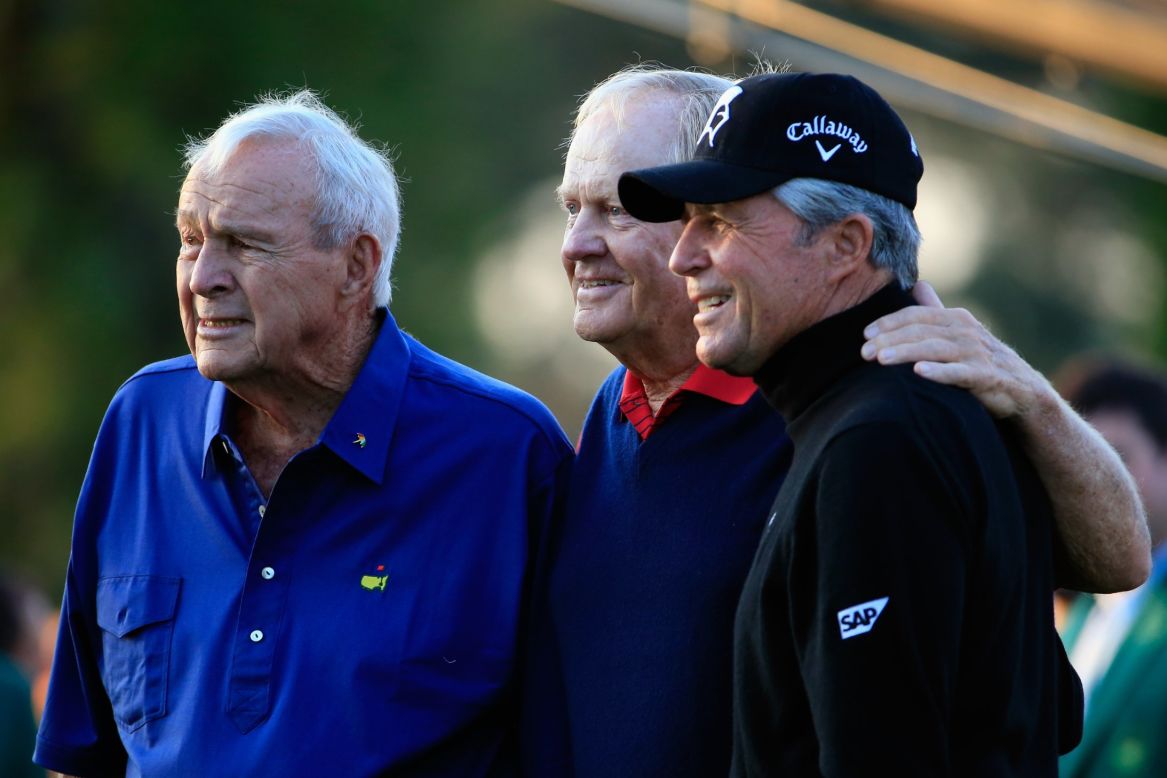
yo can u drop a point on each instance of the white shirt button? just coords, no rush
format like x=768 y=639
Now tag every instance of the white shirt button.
x=262 y=510
x=256 y=636
x=268 y=573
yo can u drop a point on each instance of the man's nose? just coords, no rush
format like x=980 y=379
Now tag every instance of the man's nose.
x=211 y=274
x=689 y=256
x=583 y=239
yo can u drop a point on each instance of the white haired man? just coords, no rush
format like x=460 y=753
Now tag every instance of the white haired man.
x=305 y=548
x=678 y=463
x=897 y=618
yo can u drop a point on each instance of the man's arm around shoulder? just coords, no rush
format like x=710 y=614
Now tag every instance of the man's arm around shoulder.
x=1100 y=517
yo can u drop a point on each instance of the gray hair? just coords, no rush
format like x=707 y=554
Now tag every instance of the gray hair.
x=697 y=92
x=356 y=187
x=819 y=204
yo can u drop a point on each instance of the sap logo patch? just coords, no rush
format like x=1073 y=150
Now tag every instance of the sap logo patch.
x=859 y=619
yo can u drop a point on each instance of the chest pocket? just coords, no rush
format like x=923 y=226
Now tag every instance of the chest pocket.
x=136 y=616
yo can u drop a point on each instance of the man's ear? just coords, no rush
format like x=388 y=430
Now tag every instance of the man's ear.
x=849 y=245
x=363 y=261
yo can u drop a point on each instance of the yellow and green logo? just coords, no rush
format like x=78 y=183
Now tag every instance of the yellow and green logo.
x=375 y=582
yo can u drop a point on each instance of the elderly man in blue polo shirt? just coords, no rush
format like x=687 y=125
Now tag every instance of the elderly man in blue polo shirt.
x=306 y=548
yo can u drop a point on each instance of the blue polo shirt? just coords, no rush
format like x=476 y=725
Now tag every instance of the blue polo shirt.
x=365 y=619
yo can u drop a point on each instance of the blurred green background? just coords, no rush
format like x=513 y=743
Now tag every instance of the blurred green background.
x=475 y=97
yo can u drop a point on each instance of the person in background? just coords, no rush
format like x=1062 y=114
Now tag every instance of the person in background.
x=309 y=546
x=678 y=463
x=1118 y=642
x=22 y=609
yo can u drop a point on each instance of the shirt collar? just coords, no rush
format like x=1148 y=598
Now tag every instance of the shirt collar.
x=815 y=359
x=732 y=390
x=361 y=429
x=704 y=380
x=214 y=424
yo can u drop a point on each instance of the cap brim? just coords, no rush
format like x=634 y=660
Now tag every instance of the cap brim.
x=659 y=194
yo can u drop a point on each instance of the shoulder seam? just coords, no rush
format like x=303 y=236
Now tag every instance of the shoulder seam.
x=159 y=368
x=460 y=387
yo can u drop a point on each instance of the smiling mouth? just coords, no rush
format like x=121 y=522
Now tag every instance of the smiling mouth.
x=217 y=324
x=709 y=303
x=597 y=284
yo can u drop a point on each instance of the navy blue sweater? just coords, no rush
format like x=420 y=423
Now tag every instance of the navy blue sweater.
x=658 y=537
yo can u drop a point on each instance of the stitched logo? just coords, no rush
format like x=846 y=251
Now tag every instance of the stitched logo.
x=720 y=115
x=859 y=619
x=375 y=582
x=826 y=155
x=821 y=125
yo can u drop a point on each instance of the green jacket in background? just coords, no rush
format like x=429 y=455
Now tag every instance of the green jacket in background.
x=1126 y=720
x=17 y=727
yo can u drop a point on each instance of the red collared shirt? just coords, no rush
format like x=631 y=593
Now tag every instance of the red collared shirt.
x=705 y=380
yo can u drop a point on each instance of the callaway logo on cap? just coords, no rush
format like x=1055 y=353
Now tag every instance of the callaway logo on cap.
x=768 y=129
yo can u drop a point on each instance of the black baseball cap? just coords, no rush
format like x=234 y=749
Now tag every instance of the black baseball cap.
x=768 y=129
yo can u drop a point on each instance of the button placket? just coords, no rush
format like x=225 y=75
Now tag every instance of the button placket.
x=258 y=632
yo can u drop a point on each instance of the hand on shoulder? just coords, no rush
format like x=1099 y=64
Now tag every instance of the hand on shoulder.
x=950 y=346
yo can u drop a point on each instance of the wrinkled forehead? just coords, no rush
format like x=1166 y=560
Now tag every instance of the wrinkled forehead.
x=610 y=142
x=252 y=157
x=260 y=177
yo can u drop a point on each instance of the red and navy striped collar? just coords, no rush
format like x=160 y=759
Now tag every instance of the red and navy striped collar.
x=731 y=390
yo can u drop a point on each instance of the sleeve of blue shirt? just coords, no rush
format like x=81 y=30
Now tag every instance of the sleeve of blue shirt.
x=887 y=525
x=78 y=735
x=544 y=745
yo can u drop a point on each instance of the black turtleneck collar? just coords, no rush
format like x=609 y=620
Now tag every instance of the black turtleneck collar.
x=814 y=359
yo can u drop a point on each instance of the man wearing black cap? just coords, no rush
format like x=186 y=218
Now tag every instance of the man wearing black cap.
x=897 y=618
